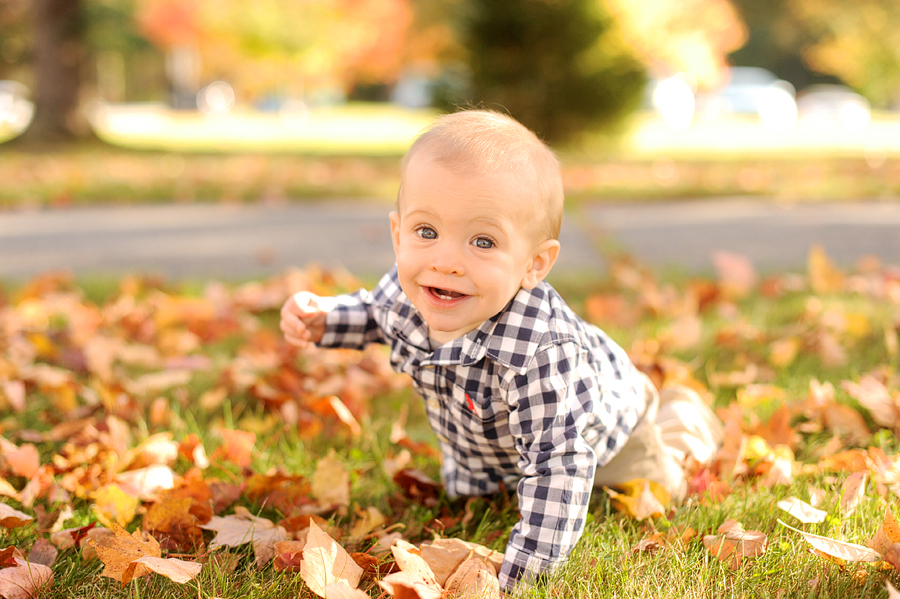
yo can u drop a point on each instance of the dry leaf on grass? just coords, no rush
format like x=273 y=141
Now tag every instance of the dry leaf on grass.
x=640 y=498
x=331 y=482
x=118 y=551
x=801 y=510
x=342 y=590
x=43 y=552
x=23 y=580
x=243 y=527
x=849 y=552
x=733 y=543
x=325 y=562
x=852 y=492
x=892 y=591
x=444 y=556
x=13 y=518
x=474 y=579
x=172 y=568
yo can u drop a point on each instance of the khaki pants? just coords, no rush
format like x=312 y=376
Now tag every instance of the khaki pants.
x=676 y=424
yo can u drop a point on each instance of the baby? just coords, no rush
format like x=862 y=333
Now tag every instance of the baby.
x=520 y=391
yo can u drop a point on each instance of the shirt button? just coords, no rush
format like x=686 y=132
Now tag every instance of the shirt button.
x=433 y=404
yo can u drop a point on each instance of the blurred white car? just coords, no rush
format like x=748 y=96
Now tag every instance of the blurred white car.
x=15 y=108
x=836 y=104
x=751 y=91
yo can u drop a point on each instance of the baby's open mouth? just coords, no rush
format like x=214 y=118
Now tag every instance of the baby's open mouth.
x=445 y=294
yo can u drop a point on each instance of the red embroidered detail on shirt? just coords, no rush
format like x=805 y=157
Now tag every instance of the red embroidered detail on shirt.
x=470 y=402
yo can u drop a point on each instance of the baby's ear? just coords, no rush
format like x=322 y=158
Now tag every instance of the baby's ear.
x=542 y=261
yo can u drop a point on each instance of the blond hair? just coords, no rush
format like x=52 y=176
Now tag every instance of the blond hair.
x=484 y=142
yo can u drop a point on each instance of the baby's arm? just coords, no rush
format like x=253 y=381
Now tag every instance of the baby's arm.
x=303 y=318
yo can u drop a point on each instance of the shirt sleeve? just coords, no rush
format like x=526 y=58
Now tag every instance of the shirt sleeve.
x=352 y=323
x=550 y=406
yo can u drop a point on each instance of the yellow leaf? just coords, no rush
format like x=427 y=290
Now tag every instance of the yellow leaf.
x=640 y=498
x=113 y=505
x=824 y=277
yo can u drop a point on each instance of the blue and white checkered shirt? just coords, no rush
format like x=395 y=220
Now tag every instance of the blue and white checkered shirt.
x=534 y=398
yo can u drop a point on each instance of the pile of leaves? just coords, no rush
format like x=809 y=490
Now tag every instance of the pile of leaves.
x=139 y=433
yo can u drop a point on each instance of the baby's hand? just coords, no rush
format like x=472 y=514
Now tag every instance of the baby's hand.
x=303 y=318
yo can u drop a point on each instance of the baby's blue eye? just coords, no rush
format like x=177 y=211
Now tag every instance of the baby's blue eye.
x=483 y=243
x=427 y=233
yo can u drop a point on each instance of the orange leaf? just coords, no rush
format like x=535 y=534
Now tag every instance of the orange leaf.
x=823 y=276
x=24 y=461
x=118 y=551
x=12 y=518
x=733 y=543
x=887 y=534
x=238 y=445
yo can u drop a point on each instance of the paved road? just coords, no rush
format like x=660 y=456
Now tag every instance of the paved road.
x=237 y=242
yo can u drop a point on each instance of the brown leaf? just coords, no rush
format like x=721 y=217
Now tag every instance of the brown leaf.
x=243 y=527
x=24 y=580
x=418 y=486
x=733 y=543
x=43 y=552
x=326 y=562
x=288 y=555
x=170 y=520
x=172 y=568
x=892 y=555
x=872 y=394
x=118 y=551
x=12 y=518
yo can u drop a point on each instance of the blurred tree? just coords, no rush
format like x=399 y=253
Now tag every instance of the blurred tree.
x=858 y=42
x=58 y=35
x=558 y=66
x=693 y=36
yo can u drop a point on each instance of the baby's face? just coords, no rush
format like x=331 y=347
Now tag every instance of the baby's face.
x=463 y=245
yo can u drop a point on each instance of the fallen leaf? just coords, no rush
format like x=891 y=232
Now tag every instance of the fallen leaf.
x=13 y=518
x=241 y=528
x=824 y=277
x=118 y=551
x=474 y=579
x=331 y=482
x=733 y=543
x=852 y=491
x=43 y=552
x=325 y=562
x=801 y=510
x=24 y=579
x=24 y=461
x=887 y=534
x=342 y=590
x=849 y=552
x=172 y=568
x=874 y=396
x=640 y=498
x=113 y=505
x=892 y=591
x=237 y=447
x=737 y=275
x=289 y=555
x=406 y=586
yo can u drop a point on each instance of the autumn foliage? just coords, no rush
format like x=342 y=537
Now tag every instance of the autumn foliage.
x=99 y=458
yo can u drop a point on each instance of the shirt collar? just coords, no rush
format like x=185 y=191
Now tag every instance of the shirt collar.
x=510 y=338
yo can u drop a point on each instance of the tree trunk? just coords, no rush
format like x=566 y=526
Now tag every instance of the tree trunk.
x=57 y=63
